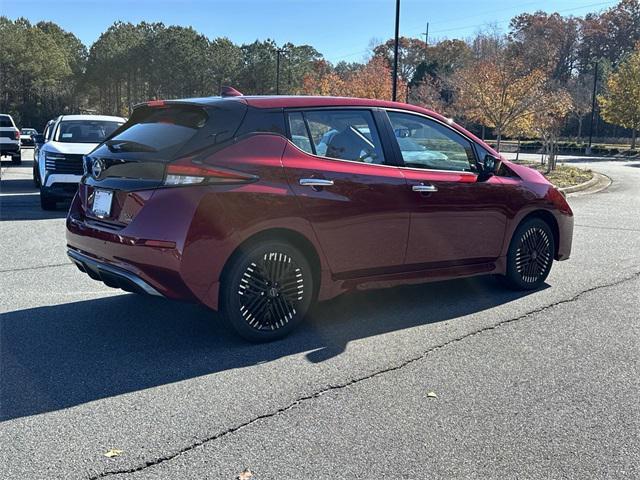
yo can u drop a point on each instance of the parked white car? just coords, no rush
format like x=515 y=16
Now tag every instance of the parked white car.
x=60 y=158
x=9 y=138
x=26 y=137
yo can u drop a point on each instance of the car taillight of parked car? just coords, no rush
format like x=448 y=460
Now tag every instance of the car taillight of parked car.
x=186 y=173
x=17 y=133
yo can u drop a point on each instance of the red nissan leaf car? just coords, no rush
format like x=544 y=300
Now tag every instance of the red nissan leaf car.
x=259 y=206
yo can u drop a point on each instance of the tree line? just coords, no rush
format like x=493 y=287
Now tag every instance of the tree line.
x=534 y=81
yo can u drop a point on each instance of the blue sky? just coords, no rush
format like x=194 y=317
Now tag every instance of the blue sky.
x=339 y=29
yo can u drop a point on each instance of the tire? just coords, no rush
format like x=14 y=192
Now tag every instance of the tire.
x=266 y=291
x=530 y=255
x=46 y=201
x=36 y=179
x=16 y=159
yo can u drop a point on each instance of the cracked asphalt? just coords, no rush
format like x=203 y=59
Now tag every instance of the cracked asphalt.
x=536 y=385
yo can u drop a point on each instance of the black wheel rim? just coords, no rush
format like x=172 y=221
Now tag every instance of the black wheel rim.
x=270 y=291
x=533 y=256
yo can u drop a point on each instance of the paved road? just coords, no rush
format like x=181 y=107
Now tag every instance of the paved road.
x=538 y=385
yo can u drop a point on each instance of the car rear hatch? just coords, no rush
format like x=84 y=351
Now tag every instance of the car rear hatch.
x=8 y=131
x=122 y=173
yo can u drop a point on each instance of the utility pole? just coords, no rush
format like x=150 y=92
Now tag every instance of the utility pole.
x=426 y=35
x=395 y=53
x=278 y=52
x=593 y=106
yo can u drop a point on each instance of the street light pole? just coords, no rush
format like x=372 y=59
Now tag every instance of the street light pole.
x=395 y=53
x=593 y=107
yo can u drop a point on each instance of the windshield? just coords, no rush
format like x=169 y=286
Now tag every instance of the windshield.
x=28 y=131
x=85 y=131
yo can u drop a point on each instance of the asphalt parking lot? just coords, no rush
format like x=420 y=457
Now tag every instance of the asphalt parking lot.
x=524 y=385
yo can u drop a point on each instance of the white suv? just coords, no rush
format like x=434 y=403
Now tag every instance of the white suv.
x=9 y=138
x=60 y=158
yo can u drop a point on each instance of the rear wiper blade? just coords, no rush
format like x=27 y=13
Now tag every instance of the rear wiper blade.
x=128 y=146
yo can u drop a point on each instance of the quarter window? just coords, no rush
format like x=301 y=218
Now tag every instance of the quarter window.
x=341 y=134
x=299 y=135
x=425 y=143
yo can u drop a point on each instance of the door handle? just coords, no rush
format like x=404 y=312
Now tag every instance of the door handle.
x=315 y=182
x=424 y=188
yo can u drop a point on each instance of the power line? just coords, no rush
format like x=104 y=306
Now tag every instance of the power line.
x=508 y=20
x=599 y=4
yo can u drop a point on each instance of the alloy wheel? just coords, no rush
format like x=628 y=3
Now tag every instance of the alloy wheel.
x=533 y=255
x=270 y=290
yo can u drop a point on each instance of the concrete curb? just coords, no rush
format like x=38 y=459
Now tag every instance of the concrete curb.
x=598 y=178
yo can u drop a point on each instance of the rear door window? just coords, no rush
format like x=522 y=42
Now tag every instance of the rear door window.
x=346 y=134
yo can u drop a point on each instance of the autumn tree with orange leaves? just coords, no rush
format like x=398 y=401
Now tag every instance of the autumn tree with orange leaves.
x=373 y=80
x=500 y=93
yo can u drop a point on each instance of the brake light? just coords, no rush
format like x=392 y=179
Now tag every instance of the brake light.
x=191 y=174
x=17 y=132
x=155 y=103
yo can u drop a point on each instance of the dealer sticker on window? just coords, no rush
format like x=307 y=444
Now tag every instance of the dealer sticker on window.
x=102 y=203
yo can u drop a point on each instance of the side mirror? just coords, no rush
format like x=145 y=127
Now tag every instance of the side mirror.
x=38 y=138
x=488 y=167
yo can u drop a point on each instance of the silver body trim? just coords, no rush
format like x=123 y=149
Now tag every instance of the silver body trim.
x=83 y=261
x=62 y=178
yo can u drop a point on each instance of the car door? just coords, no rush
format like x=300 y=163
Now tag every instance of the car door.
x=341 y=175
x=455 y=219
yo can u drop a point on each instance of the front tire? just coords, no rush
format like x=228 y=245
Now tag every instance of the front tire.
x=530 y=255
x=36 y=179
x=47 y=202
x=266 y=291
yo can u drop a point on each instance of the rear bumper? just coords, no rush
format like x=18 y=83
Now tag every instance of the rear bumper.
x=126 y=250
x=13 y=147
x=111 y=276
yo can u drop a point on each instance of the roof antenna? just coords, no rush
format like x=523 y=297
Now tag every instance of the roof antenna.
x=229 y=92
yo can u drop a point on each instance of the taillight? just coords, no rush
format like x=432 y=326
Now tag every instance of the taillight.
x=192 y=174
x=17 y=132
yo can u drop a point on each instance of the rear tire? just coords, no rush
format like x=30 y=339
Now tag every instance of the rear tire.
x=46 y=201
x=16 y=159
x=530 y=255
x=266 y=291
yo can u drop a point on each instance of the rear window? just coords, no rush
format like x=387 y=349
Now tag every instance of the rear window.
x=5 y=121
x=85 y=131
x=153 y=129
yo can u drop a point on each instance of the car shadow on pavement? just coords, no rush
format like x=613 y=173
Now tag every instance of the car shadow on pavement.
x=20 y=200
x=60 y=356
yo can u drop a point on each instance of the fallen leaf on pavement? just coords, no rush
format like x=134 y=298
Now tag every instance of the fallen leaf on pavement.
x=245 y=475
x=114 y=452
x=432 y=395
